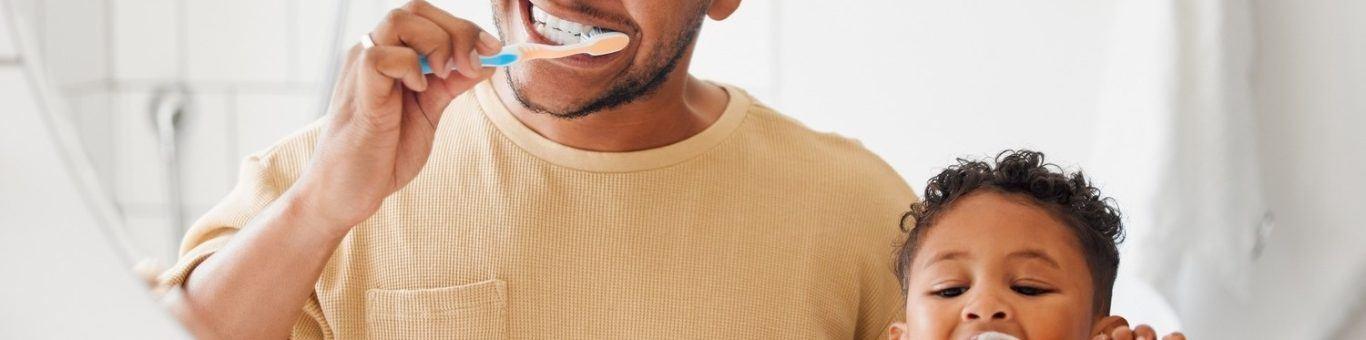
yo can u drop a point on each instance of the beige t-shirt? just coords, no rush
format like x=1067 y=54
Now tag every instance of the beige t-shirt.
x=756 y=227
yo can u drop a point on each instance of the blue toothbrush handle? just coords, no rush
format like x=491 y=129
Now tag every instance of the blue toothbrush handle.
x=501 y=59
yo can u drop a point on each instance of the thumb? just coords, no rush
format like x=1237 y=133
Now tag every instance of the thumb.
x=458 y=84
x=443 y=91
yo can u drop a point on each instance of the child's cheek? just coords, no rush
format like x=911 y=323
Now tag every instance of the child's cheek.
x=928 y=318
x=1053 y=324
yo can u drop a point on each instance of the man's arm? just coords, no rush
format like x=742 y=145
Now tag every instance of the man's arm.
x=256 y=285
x=377 y=138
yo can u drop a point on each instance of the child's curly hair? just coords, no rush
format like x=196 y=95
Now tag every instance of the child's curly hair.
x=1094 y=219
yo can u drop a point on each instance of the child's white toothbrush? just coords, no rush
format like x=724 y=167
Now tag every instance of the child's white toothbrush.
x=994 y=336
x=598 y=43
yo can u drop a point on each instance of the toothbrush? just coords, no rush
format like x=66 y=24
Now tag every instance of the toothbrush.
x=598 y=43
x=994 y=336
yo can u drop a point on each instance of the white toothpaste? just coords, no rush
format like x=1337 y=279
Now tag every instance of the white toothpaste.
x=995 y=336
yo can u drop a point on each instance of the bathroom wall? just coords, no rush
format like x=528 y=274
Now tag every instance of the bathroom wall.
x=252 y=69
x=9 y=53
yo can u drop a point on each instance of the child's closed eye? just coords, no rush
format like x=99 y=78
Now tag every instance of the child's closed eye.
x=1027 y=290
x=950 y=292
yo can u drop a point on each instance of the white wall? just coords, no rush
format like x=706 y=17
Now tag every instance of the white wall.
x=252 y=69
x=9 y=54
x=924 y=82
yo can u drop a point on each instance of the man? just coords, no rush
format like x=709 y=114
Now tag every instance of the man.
x=586 y=197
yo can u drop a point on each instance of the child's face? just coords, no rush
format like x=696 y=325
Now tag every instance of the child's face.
x=993 y=262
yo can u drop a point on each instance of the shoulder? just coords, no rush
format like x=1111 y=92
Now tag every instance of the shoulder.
x=841 y=160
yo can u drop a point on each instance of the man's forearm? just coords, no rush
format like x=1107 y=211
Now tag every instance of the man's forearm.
x=255 y=287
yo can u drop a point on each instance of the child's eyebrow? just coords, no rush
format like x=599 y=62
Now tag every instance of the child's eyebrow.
x=946 y=256
x=1034 y=254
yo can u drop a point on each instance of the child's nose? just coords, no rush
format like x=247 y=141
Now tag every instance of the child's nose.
x=997 y=315
x=986 y=308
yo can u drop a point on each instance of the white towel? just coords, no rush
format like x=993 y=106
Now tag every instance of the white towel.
x=1177 y=148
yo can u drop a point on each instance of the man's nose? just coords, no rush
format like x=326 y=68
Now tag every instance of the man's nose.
x=987 y=308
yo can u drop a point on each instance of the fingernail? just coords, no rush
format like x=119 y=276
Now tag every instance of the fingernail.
x=489 y=41
x=464 y=69
x=476 y=67
x=444 y=71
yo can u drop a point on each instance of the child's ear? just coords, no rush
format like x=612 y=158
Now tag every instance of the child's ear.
x=1108 y=324
x=897 y=331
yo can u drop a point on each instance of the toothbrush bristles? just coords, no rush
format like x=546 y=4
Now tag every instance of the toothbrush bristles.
x=594 y=32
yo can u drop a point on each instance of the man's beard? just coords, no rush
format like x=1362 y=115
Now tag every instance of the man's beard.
x=633 y=86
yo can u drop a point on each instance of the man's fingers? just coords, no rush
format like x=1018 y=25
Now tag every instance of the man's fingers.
x=407 y=34
x=381 y=65
x=343 y=89
x=468 y=40
x=1175 y=336
x=1144 y=332
x=419 y=125
x=404 y=28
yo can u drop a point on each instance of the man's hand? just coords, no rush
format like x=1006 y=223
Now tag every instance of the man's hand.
x=385 y=111
x=383 y=120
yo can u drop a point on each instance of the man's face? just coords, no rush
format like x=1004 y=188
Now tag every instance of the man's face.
x=661 y=35
x=996 y=263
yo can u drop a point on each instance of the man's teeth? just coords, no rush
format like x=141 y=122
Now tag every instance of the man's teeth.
x=561 y=31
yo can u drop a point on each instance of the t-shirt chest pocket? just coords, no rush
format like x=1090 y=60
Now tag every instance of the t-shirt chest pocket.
x=473 y=311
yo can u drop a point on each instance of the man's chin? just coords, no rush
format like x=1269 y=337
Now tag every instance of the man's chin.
x=557 y=109
x=567 y=94
x=559 y=102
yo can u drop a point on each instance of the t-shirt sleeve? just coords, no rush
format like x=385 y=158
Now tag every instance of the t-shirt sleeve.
x=256 y=187
x=262 y=178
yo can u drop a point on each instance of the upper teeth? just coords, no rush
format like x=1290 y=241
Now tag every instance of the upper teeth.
x=559 y=30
